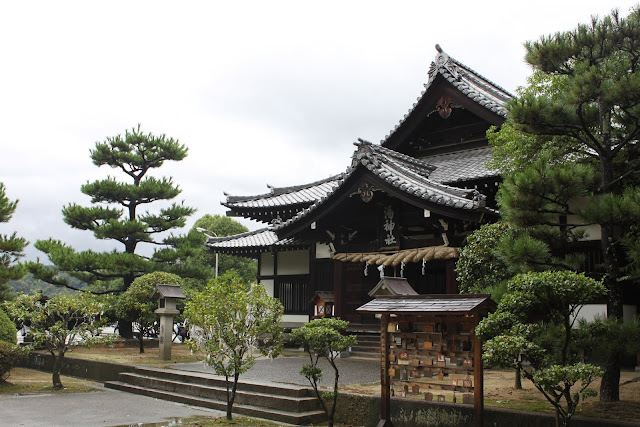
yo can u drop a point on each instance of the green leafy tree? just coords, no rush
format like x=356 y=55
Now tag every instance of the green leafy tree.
x=535 y=322
x=60 y=322
x=136 y=305
x=11 y=247
x=10 y=356
x=7 y=329
x=587 y=107
x=480 y=268
x=229 y=322
x=324 y=339
x=219 y=226
x=115 y=215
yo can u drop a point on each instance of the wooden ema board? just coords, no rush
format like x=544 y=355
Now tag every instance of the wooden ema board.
x=432 y=357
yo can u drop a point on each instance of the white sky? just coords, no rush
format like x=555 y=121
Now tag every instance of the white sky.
x=260 y=91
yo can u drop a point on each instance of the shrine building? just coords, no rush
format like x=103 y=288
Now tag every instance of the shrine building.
x=402 y=208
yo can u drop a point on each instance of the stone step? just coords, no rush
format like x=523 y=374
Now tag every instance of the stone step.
x=217 y=391
x=364 y=349
x=297 y=418
x=206 y=379
x=365 y=355
x=368 y=338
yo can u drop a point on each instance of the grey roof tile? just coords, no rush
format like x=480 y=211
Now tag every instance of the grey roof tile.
x=461 y=166
x=285 y=196
x=405 y=173
x=259 y=239
x=455 y=304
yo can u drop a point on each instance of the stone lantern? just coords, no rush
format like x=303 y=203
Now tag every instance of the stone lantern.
x=168 y=296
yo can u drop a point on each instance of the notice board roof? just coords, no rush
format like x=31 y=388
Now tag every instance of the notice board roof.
x=434 y=304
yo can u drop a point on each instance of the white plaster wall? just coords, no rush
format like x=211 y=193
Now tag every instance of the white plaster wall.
x=293 y=262
x=297 y=318
x=590 y=311
x=593 y=232
x=268 y=285
x=266 y=264
x=322 y=251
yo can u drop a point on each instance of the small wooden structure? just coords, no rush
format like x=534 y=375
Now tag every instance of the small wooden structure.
x=168 y=296
x=392 y=286
x=428 y=344
x=323 y=302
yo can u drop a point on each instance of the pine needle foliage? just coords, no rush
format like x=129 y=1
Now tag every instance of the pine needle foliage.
x=115 y=215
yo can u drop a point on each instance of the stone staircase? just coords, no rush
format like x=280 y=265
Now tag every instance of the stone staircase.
x=368 y=346
x=285 y=403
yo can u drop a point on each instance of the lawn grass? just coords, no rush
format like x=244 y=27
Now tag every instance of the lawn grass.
x=130 y=355
x=26 y=381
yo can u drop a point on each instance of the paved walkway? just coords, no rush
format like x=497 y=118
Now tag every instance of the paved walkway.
x=287 y=370
x=101 y=408
x=108 y=407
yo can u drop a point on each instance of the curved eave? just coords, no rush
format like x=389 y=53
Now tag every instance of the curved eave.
x=267 y=214
x=351 y=184
x=252 y=243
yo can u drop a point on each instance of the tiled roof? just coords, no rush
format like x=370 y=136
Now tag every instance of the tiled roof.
x=478 y=88
x=461 y=166
x=427 y=304
x=306 y=194
x=258 y=240
x=404 y=173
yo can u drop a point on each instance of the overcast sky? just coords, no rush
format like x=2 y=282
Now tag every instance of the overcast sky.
x=261 y=92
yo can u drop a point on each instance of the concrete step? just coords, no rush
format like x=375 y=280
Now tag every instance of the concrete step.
x=297 y=418
x=218 y=391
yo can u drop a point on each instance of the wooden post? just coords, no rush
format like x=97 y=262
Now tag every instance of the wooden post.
x=385 y=383
x=478 y=386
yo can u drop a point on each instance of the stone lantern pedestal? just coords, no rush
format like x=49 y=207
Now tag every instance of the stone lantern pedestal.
x=167 y=295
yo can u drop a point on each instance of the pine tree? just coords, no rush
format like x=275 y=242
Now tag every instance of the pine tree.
x=115 y=215
x=591 y=114
x=11 y=247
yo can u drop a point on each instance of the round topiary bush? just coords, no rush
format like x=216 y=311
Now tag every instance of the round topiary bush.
x=10 y=355
x=7 y=328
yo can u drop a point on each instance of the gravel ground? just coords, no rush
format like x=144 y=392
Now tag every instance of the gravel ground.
x=287 y=370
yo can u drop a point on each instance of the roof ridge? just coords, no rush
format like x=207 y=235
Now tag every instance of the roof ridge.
x=419 y=163
x=486 y=80
x=282 y=190
x=441 y=65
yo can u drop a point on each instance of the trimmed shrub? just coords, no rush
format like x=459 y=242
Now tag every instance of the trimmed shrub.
x=7 y=328
x=10 y=355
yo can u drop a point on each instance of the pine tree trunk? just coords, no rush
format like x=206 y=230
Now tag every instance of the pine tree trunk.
x=610 y=385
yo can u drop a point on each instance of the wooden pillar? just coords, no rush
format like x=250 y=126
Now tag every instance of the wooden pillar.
x=450 y=274
x=338 y=288
x=478 y=380
x=385 y=381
